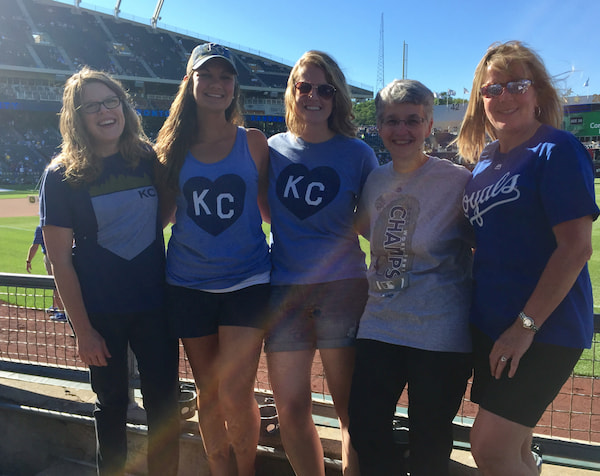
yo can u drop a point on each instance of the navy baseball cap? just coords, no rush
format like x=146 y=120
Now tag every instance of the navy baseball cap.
x=202 y=53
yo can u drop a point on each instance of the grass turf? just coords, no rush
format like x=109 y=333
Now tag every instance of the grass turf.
x=16 y=235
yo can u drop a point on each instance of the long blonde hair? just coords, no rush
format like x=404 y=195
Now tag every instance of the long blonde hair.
x=340 y=120
x=77 y=156
x=506 y=58
x=178 y=132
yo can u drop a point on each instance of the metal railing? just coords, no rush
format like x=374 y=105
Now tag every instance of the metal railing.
x=27 y=335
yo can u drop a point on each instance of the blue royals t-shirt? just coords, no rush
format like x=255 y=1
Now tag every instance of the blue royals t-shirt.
x=118 y=248
x=513 y=200
x=313 y=193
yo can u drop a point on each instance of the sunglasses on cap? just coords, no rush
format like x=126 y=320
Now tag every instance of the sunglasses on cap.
x=513 y=87
x=326 y=91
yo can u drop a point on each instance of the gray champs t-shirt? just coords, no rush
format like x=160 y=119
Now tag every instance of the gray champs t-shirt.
x=420 y=271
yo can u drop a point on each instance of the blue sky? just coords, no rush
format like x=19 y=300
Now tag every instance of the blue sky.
x=445 y=39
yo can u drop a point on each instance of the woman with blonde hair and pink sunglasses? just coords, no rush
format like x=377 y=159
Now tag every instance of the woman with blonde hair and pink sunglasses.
x=531 y=203
x=317 y=171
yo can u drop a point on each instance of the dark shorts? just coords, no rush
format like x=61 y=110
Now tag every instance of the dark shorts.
x=309 y=316
x=194 y=313
x=542 y=372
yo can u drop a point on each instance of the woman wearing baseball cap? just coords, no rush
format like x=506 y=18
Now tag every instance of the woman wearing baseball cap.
x=218 y=266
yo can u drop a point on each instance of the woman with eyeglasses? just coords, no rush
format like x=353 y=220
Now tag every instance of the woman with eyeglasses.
x=100 y=220
x=531 y=203
x=218 y=265
x=415 y=327
x=317 y=171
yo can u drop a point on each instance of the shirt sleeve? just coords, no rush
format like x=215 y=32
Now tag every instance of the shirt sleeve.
x=55 y=199
x=38 y=238
x=369 y=164
x=567 y=183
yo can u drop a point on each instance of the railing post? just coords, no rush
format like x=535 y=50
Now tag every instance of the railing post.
x=133 y=375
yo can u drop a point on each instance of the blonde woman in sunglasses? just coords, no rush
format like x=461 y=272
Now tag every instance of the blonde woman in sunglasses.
x=317 y=171
x=531 y=203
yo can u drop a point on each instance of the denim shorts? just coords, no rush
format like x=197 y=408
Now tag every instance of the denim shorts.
x=522 y=399
x=309 y=316
x=194 y=313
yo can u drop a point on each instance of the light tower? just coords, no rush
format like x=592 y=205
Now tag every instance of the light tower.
x=380 y=83
x=156 y=17
x=404 y=60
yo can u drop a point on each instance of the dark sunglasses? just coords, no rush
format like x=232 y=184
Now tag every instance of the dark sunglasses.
x=326 y=91
x=513 y=87
x=93 y=107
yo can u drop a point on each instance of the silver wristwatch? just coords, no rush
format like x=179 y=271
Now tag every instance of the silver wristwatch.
x=528 y=322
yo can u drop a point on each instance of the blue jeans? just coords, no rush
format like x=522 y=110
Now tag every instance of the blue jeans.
x=436 y=383
x=157 y=354
x=321 y=315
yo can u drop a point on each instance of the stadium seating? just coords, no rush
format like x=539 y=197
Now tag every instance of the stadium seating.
x=43 y=42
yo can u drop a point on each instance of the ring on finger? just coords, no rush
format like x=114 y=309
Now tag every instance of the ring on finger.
x=503 y=359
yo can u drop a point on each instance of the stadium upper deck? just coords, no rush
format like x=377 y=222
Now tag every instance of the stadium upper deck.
x=44 y=42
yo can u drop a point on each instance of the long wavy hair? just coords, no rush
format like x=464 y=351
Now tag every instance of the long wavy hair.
x=178 y=132
x=341 y=119
x=506 y=58
x=80 y=162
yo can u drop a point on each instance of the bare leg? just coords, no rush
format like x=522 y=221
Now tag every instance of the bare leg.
x=501 y=447
x=338 y=365
x=202 y=353
x=289 y=373
x=239 y=354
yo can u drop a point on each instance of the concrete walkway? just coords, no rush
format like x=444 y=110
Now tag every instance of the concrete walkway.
x=67 y=406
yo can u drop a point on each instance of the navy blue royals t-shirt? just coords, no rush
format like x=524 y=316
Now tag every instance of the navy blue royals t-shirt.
x=118 y=249
x=513 y=201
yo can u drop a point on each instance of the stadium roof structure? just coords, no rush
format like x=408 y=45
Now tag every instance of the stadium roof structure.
x=43 y=42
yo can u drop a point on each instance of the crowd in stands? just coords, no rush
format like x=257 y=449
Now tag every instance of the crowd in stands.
x=26 y=147
x=370 y=135
x=46 y=36
x=30 y=140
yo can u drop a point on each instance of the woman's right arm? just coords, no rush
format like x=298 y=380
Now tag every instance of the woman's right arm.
x=167 y=207
x=167 y=204
x=30 y=254
x=90 y=344
x=259 y=149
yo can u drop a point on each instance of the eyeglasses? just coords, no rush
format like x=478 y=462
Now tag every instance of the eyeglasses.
x=93 y=107
x=513 y=87
x=326 y=91
x=410 y=123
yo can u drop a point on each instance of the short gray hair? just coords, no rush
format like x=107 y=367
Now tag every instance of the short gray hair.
x=401 y=91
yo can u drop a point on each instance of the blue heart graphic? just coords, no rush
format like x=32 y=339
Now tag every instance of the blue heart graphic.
x=215 y=206
x=304 y=192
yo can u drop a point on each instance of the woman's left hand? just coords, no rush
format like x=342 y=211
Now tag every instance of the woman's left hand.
x=509 y=348
x=573 y=249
